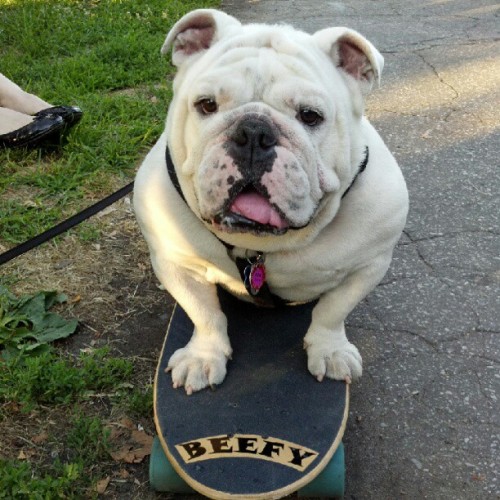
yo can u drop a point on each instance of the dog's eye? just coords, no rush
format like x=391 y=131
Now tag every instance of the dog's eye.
x=309 y=117
x=206 y=106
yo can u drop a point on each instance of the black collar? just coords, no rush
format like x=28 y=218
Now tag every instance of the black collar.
x=173 y=174
x=361 y=168
x=264 y=297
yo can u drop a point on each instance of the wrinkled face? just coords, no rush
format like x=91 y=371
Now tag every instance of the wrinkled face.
x=260 y=147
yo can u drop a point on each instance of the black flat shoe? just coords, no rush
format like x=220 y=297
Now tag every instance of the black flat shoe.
x=40 y=129
x=46 y=129
x=70 y=114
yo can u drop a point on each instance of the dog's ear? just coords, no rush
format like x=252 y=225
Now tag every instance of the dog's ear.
x=196 y=32
x=353 y=54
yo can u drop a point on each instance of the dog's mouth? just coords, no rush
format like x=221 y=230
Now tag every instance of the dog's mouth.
x=251 y=211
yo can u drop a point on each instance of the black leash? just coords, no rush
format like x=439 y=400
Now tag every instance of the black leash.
x=65 y=225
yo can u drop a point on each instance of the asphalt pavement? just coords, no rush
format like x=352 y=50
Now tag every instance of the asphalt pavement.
x=424 y=419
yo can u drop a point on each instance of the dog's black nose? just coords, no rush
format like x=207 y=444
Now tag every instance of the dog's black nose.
x=256 y=134
x=252 y=146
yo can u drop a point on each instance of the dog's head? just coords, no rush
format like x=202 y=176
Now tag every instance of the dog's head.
x=264 y=127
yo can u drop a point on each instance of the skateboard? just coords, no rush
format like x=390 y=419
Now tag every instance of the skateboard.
x=269 y=430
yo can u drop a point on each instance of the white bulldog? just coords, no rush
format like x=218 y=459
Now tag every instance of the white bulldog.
x=267 y=160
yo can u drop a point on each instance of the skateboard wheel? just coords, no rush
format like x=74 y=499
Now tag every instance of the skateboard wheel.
x=330 y=482
x=162 y=476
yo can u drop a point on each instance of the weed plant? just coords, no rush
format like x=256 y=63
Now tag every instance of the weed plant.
x=18 y=481
x=27 y=325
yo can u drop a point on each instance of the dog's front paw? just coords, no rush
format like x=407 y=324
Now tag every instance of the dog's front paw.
x=341 y=362
x=200 y=364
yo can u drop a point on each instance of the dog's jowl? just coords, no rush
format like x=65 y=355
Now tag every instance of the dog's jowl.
x=267 y=159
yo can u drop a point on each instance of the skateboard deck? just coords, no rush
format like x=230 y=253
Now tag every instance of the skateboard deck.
x=268 y=430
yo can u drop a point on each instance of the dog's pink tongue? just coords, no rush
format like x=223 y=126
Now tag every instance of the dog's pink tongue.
x=255 y=207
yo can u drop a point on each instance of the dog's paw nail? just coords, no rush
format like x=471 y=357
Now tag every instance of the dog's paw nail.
x=189 y=390
x=320 y=378
x=347 y=380
x=168 y=369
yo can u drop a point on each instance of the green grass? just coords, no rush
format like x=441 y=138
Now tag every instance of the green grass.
x=19 y=481
x=86 y=441
x=50 y=379
x=104 y=56
x=52 y=382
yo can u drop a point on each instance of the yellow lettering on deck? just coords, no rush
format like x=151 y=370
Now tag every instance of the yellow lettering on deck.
x=250 y=446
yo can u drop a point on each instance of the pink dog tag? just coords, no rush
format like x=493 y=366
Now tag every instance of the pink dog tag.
x=255 y=275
